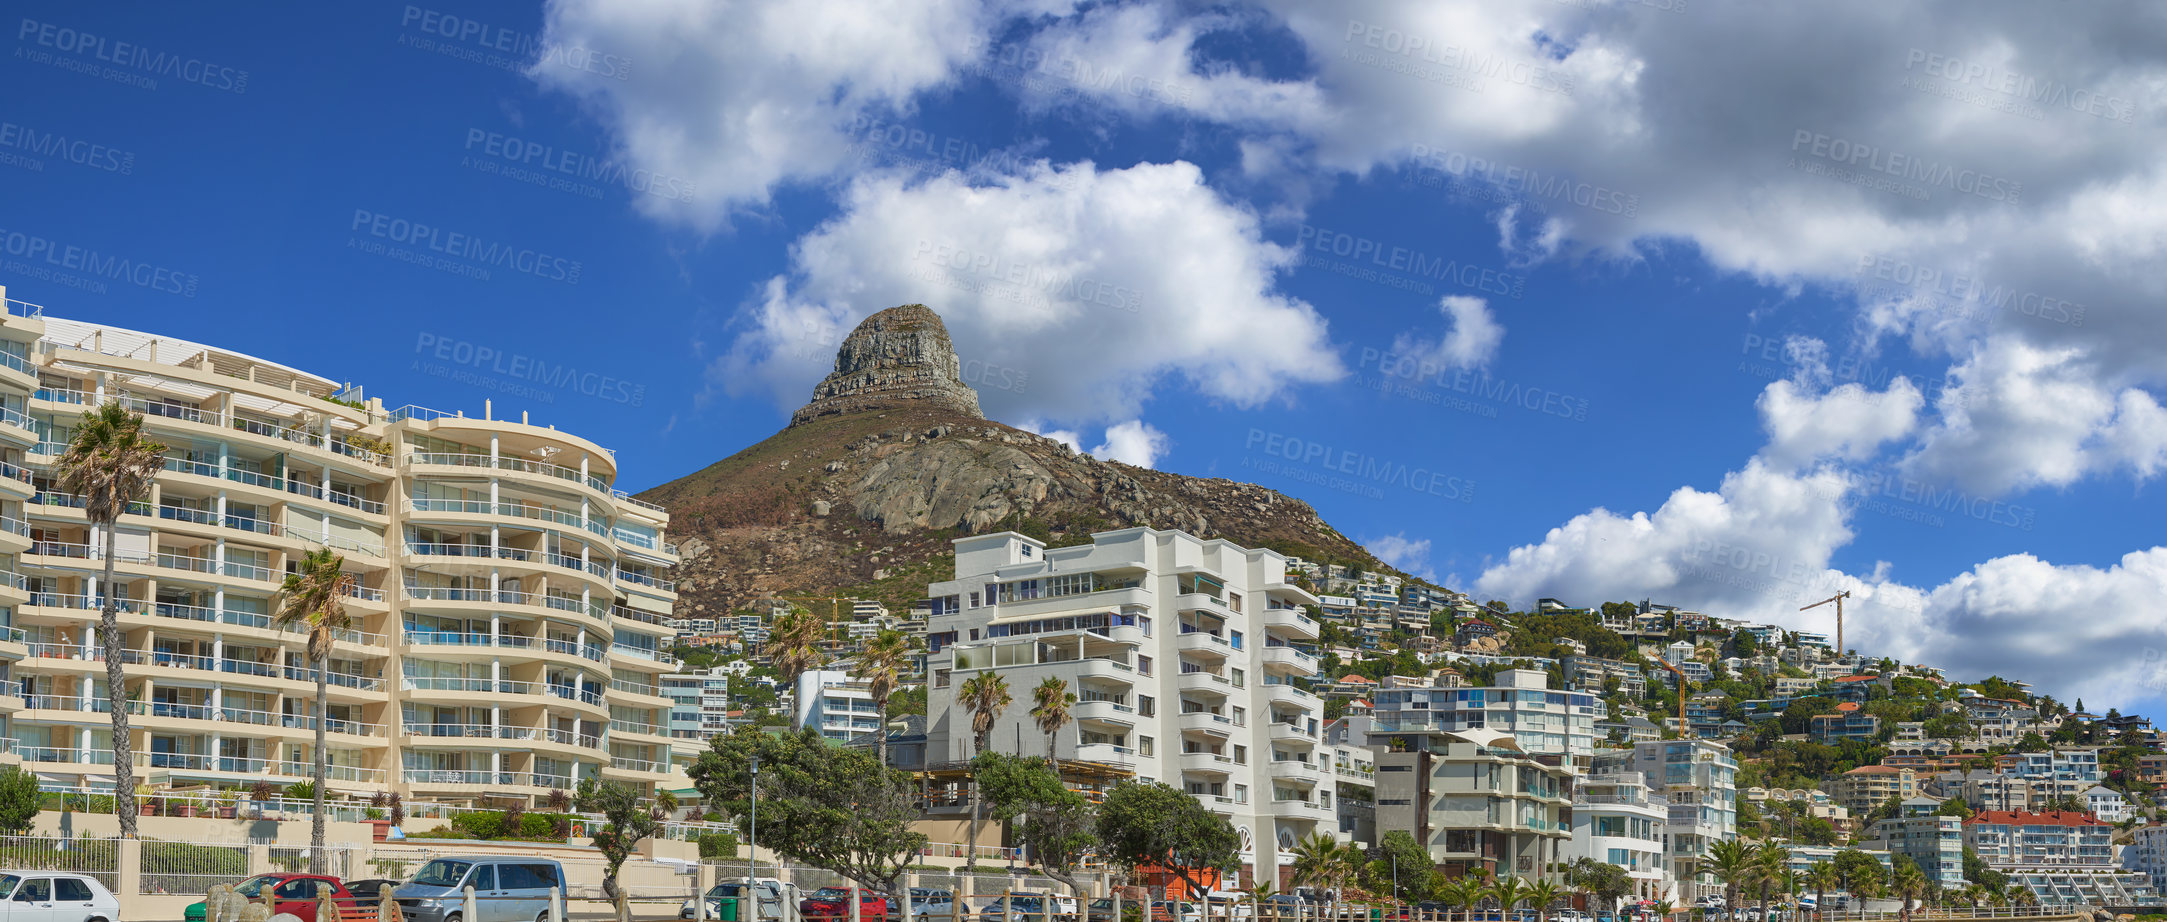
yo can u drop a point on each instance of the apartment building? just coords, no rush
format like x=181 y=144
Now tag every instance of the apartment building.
x=1592 y=673
x=1699 y=779
x=1617 y=819
x=509 y=613
x=699 y=703
x=1188 y=657
x=1868 y=786
x=837 y=704
x=1852 y=725
x=2063 y=856
x=1936 y=843
x=1475 y=798
x=1542 y=720
x=2146 y=854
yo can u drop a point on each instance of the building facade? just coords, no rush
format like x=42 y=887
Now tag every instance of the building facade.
x=1542 y=720
x=1936 y=843
x=1477 y=800
x=2063 y=856
x=1699 y=779
x=1618 y=820
x=509 y=611
x=1188 y=658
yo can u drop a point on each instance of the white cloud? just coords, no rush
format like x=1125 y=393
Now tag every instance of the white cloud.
x=1471 y=343
x=1408 y=555
x=1069 y=437
x=1097 y=286
x=2019 y=416
x=738 y=97
x=1849 y=423
x=1134 y=442
x=1142 y=59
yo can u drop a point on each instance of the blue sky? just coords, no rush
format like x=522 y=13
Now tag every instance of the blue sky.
x=1728 y=308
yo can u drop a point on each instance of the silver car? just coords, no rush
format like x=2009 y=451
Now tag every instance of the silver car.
x=506 y=889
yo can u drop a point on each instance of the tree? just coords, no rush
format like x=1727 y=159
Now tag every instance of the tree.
x=1822 y=877
x=20 y=801
x=985 y=696
x=313 y=599
x=110 y=464
x=1057 y=823
x=1602 y=880
x=1321 y=861
x=1509 y=892
x=625 y=822
x=1541 y=894
x=1817 y=830
x=837 y=809
x=1743 y=643
x=1954 y=806
x=1050 y=702
x=1907 y=883
x=793 y=643
x=1858 y=872
x=881 y=666
x=1463 y=892
x=1732 y=863
x=1770 y=863
x=1144 y=823
x=1402 y=867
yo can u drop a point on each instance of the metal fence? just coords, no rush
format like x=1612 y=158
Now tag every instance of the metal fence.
x=97 y=857
x=340 y=861
x=190 y=867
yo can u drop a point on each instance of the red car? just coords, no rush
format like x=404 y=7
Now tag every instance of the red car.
x=294 y=893
x=833 y=903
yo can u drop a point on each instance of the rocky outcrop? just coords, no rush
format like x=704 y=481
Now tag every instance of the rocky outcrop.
x=861 y=494
x=898 y=356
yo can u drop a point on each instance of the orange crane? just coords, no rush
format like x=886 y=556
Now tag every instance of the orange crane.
x=1838 y=599
x=1680 y=673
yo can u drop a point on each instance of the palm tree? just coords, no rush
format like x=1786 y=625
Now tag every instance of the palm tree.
x=1259 y=895
x=1464 y=891
x=1769 y=864
x=1907 y=883
x=2020 y=895
x=1664 y=910
x=881 y=666
x=1821 y=877
x=794 y=648
x=985 y=696
x=314 y=600
x=1732 y=862
x=1049 y=707
x=1321 y=861
x=1508 y=892
x=1542 y=893
x=110 y=464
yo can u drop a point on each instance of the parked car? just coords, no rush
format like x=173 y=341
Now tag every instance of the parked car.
x=1172 y=911
x=367 y=890
x=930 y=905
x=506 y=889
x=53 y=896
x=834 y=903
x=291 y=893
x=1569 y=915
x=1031 y=907
x=767 y=891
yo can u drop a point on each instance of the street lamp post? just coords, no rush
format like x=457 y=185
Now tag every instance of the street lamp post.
x=752 y=864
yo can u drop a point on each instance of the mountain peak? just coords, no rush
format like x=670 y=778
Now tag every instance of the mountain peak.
x=901 y=356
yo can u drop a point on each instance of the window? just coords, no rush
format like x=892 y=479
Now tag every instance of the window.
x=1241 y=717
x=484 y=879
x=1241 y=755
x=974 y=600
x=1235 y=638
x=1143 y=745
x=1237 y=677
x=1146 y=706
x=1026 y=549
x=1241 y=793
x=302 y=889
x=35 y=890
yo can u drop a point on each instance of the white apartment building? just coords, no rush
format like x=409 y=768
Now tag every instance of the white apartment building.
x=1188 y=658
x=510 y=607
x=1542 y=720
x=1699 y=779
x=2146 y=854
x=1618 y=820
x=836 y=704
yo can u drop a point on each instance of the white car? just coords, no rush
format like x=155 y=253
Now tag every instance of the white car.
x=56 y=896
x=1569 y=915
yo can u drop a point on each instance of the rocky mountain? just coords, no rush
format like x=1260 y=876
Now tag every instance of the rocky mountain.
x=861 y=494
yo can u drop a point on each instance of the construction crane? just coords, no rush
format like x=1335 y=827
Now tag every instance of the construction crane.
x=1680 y=673
x=1838 y=599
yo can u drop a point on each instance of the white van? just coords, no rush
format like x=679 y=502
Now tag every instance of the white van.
x=56 y=896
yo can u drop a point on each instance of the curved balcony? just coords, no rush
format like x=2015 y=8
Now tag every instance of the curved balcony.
x=496 y=736
x=1206 y=763
x=1283 y=693
x=17 y=428
x=1292 y=659
x=534 y=473
x=1204 y=643
x=1283 y=732
x=1106 y=752
x=1106 y=711
x=1206 y=682
x=14 y=532
x=1206 y=722
x=1290 y=623
x=1296 y=770
x=638 y=770
x=483 y=512
x=478 y=781
x=1303 y=810
x=459 y=644
x=517 y=562
x=19 y=372
x=481 y=602
x=15 y=482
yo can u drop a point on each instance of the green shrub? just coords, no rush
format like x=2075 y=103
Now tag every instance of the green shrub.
x=480 y=824
x=301 y=790
x=718 y=845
